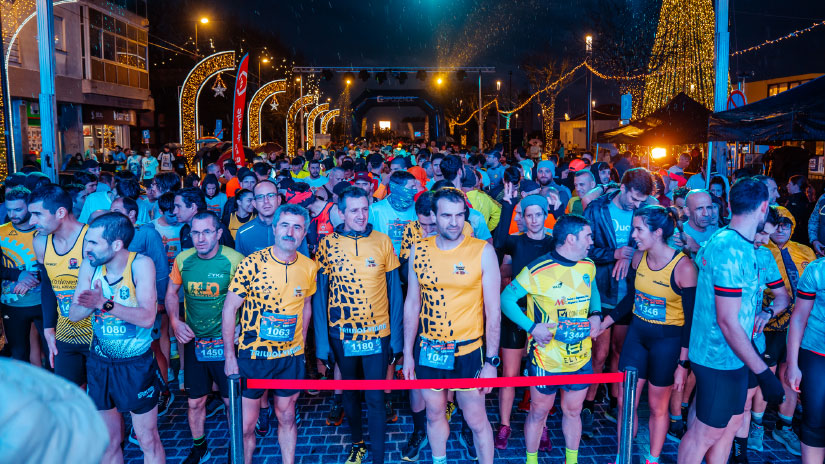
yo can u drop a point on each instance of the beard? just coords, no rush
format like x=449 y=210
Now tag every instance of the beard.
x=99 y=260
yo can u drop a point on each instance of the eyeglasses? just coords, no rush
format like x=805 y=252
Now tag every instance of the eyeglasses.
x=268 y=196
x=205 y=233
x=784 y=226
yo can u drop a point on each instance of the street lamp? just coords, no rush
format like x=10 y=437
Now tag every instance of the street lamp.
x=498 y=86
x=588 y=48
x=439 y=81
x=204 y=20
x=263 y=60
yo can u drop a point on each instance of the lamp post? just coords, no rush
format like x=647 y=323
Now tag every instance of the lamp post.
x=480 y=118
x=588 y=48
x=263 y=60
x=203 y=20
x=498 y=115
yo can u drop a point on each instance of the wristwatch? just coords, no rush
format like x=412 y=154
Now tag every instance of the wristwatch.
x=107 y=306
x=494 y=361
x=684 y=363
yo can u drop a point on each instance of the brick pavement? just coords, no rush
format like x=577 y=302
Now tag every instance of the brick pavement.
x=319 y=443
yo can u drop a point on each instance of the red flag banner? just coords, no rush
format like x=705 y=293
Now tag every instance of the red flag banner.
x=238 y=113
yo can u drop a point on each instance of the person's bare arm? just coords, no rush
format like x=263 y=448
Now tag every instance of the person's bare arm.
x=182 y=330
x=143 y=272
x=412 y=312
x=231 y=304
x=796 y=328
x=307 y=316
x=491 y=288
x=78 y=311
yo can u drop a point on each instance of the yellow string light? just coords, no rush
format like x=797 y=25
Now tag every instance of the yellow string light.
x=296 y=106
x=313 y=115
x=325 y=119
x=253 y=117
x=190 y=93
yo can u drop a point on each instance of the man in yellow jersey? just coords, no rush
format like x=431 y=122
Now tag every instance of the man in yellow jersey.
x=116 y=288
x=273 y=289
x=563 y=311
x=22 y=308
x=359 y=314
x=59 y=248
x=444 y=340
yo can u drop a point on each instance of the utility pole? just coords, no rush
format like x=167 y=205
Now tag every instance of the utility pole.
x=588 y=47
x=722 y=41
x=48 y=110
x=301 y=102
x=480 y=118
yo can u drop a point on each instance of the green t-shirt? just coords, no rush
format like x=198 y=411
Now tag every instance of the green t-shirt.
x=205 y=283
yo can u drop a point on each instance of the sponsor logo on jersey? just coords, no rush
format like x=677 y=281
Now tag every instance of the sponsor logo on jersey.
x=73 y=263
x=298 y=293
x=586 y=279
x=124 y=293
x=371 y=262
x=459 y=269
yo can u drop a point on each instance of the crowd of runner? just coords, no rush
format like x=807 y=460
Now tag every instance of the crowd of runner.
x=424 y=262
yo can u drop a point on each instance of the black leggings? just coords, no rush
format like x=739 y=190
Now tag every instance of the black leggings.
x=17 y=321
x=374 y=368
x=812 y=396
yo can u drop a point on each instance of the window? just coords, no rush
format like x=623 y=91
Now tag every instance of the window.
x=59 y=34
x=118 y=50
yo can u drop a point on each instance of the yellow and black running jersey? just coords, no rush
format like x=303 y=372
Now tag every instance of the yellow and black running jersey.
x=357 y=306
x=560 y=294
x=235 y=223
x=452 y=300
x=115 y=338
x=62 y=270
x=412 y=234
x=656 y=300
x=18 y=253
x=273 y=310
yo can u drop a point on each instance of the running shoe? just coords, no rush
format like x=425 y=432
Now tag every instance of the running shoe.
x=755 y=437
x=262 y=426
x=524 y=404
x=164 y=402
x=502 y=437
x=676 y=431
x=316 y=392
x=587 y=424
x=133 y=437
x=357 y=453
x=391 y=415
x=417 y=442
x=787 y=437
x=544 y=443
x=197 y=455
x=214 y=405
x=336 y=414
x=553 y=412
x=612 y=414
x=465 y=437
x=450 y=410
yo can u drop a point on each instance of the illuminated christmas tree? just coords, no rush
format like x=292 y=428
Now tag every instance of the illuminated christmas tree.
x=682 y=55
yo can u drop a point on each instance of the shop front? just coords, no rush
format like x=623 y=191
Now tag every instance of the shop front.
x=106 y=128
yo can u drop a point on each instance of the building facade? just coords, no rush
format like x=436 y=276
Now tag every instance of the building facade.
x=101 y=78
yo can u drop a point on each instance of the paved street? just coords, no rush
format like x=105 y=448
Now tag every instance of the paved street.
x=319 y=443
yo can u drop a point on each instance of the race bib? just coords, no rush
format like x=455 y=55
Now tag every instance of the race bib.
x=649 y=307
x=209 y=349
x=108 y=327
x=64 y=301
x=438 y=355
x=362 y=347
x=278 y=327
x=572 y=330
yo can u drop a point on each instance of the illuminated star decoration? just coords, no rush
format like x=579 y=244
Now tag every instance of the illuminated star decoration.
x=219 y=88
x=274 y=104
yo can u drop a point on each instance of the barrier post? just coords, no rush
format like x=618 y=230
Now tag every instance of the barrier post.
x=235 y=421
x=631 y=376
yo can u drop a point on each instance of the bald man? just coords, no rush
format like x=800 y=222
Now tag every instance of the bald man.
x=699 y=227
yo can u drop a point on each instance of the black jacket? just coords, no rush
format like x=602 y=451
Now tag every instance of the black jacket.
x=604 y=246
x=800 y=208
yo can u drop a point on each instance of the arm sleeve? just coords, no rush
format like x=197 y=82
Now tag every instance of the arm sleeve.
x=808 y=284
x=503 y=230
x=396 y=302
x=509 y=305
x=688 y=301
x=495 y=213
x=319 y=316
x=48 y=299
x=625 y=306
x=595 y=301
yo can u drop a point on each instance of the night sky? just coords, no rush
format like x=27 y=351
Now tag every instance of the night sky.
x=503 y=34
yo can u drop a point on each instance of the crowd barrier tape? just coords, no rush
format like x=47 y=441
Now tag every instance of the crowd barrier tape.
x=441 y=384
x=628 y=378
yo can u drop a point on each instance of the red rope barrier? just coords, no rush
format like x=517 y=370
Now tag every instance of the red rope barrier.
x=434 y=384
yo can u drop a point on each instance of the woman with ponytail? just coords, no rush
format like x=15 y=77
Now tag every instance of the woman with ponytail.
x=661 y=292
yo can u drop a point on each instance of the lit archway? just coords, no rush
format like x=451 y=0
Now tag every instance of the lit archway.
x=13 y=16
x=325 y=120
x=313 y=115
x=253 y=114
x=296 y=106
x=190 y=93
